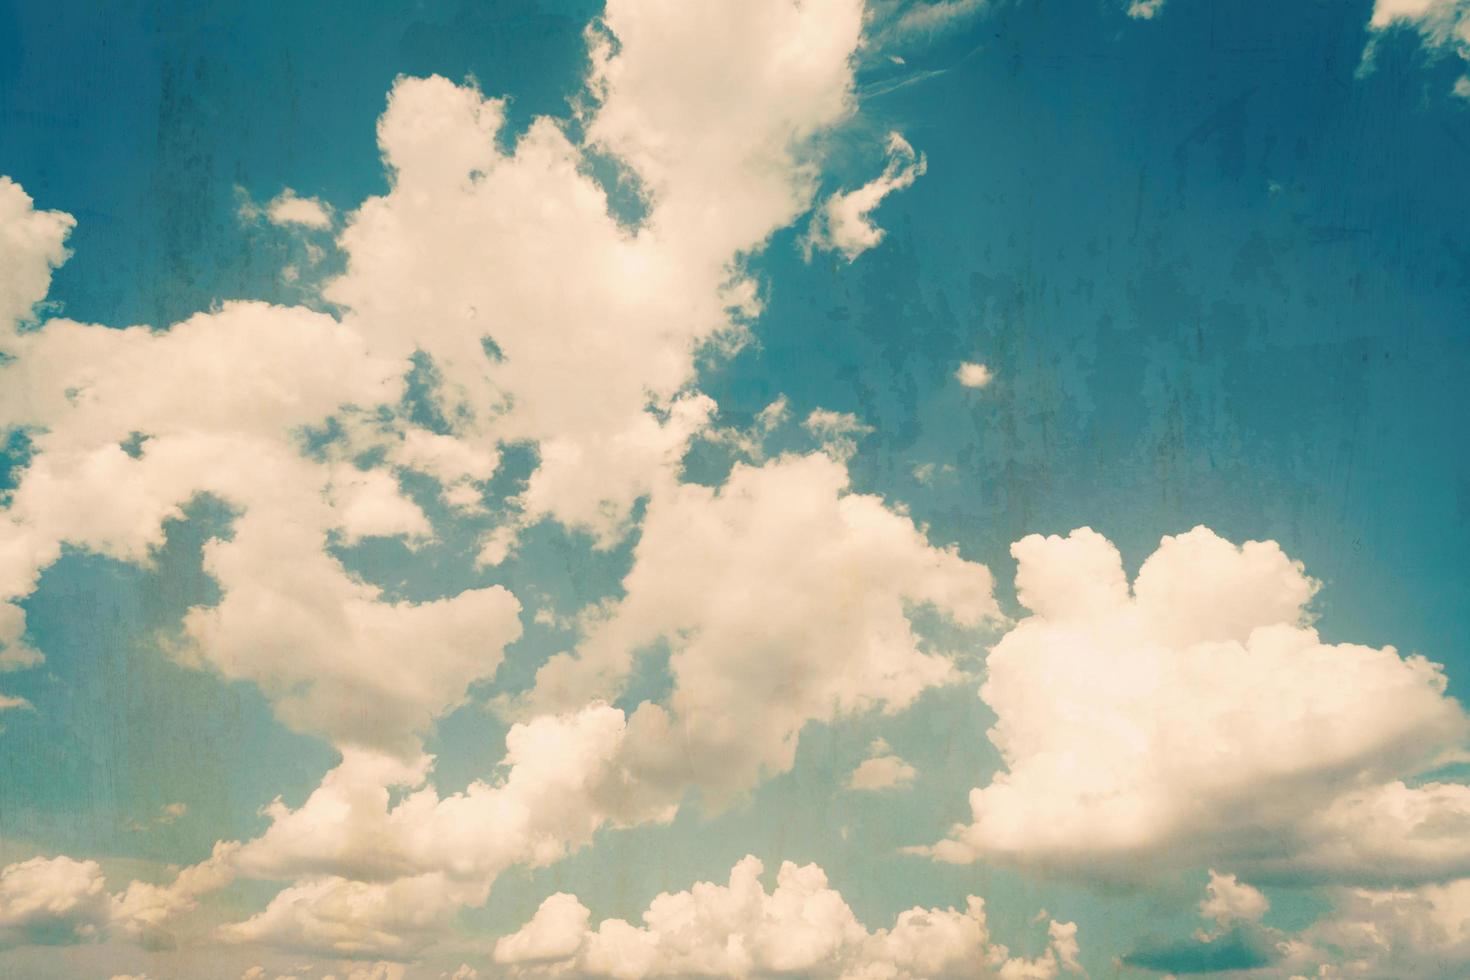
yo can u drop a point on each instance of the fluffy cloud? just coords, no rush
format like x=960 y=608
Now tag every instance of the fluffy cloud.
x=1228 y=899
x=974 y=375
x=463 y=244
x=1197 y=718
x=215 y=406
x=803 y=927
x=1443 y=27
x=52 y=900
x=146 y=913
x=542 y=318
x=286 y=208
x=1145 y=9
x=374 y=877
x=1405 y=933
x=882 y=770
x=1408 y=933
x=32 y=243
x=843 y=222
x=781 y=567
x=60 y=900
x=780 y=595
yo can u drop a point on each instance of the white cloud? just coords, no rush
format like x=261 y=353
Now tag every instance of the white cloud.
x=1402 y=933
x=380 y=878
x=52 y=901
x=32 y=243
x=61 y=900
x=1227 y=900
x=470 y=243
x=221 y=398
x=147 y=913
x=843 y=223
x=10 y=702
x=838 y=432
x=1199 y=719
x=803 y=927
x=781 y=595
x=464 y=244
x=1145 y=9
x=781 y=564
x=1443 y=27
x=286 y=208
x=974 y=375
x=882 y=770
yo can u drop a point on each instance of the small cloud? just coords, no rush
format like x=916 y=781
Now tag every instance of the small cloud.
x=843 y=223
x=289 y=209
x=972 y=374
x=882 y=770
x=926 y=472
x=167 y=814
x=838 y=432
x=1145 y=9
x=933 y=18
x=774 y=414
x=11 y=703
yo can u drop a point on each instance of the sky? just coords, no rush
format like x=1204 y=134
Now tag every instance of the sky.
x=754 y=488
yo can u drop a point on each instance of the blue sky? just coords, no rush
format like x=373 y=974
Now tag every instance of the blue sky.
x=1214 y=259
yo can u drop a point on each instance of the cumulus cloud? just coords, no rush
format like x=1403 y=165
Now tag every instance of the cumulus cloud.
x=779 y=594
x=1197 y=717
x=722 y=142
x=52 y=901
x=32 y=244
x=221 y=399
x=881 y=770
x=286 y=208
x=593 y=364
x=147 y=913
x=1145 y=9
x=1228 y=899
x=453 y=265
x=803 y=927
x=1406 y=932
x=379 y=877
x=1443 y=27
x=843 y=223
x=1409 y=933
x=972 y=374
x=61 y=900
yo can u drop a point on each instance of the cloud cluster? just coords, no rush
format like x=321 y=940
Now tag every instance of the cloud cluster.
x=128 y=426
x=780 y=594
x=60 y=901
x=802 y=928
x=1443 y=27
x=1196 y=717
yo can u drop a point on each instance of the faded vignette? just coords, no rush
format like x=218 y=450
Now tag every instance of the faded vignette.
x=862 y=489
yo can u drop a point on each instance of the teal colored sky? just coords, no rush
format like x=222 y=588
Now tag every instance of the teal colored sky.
x=1221 y=274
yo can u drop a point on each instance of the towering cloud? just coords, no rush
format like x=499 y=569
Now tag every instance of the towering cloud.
x=1198 y=718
